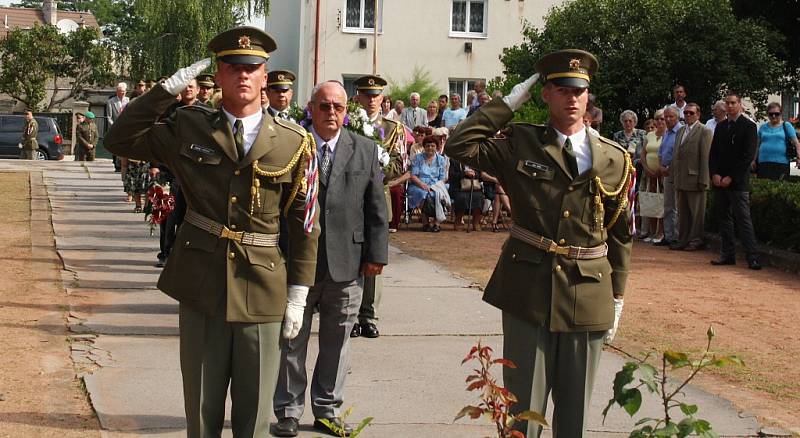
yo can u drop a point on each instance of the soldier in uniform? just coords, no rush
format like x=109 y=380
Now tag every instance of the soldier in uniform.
x=29 y=132
x=561 y=275
x=205 y=87
x=370 y=96
x=279 y=93
x=86 y=135
x=239 y=171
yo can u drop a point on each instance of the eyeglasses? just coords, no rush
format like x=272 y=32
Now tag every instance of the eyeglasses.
x=689 y=113
x=326 y=106
x=774 y=114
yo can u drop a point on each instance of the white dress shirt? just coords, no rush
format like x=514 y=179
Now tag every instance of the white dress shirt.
x=250 y=124
x=580 y=145
x=331 y=143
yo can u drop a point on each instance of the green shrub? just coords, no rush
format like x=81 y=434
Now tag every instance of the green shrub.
x=775 y=209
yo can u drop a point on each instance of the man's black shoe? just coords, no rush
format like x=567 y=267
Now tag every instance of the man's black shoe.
x=754 y=265
x=286 y=427
x=663 y=242
x=369 y=330
x=723 y=261
x=337 y=427
x=677 y=246
x=356 y=332
x=161 y=263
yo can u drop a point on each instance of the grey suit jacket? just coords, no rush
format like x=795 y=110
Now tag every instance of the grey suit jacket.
x=114 y=107
x=353 y=212
x=690 y=160
x=413 y=117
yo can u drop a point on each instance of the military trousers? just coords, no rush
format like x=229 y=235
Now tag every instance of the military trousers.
x=215 y=353
x=27 y=154
x=562 y=363
x=84 y=154
x=691 y=216
x=371 y=300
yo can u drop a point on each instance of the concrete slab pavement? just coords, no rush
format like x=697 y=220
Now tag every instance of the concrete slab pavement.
x=410 y=379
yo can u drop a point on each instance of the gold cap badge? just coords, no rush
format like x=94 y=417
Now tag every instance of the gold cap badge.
x=371 y=82
x=244 y=42
x=574 y=64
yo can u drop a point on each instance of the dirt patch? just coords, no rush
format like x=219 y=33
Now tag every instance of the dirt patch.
x=672 y=297
x=39 y=393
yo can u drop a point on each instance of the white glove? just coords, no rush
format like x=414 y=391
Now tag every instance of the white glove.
x=520 y=93
x=617 y=314
x=383 y=156
x=180 y=80
x=295 y=308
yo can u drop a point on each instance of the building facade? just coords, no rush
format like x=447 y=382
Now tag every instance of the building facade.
x=457 y=41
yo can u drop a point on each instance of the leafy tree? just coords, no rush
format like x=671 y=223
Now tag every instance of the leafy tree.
x=646 y=46
x=419 y=82
x=32 y=59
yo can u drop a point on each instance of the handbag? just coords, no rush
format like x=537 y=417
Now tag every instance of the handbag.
x=468 y=185
x=651 y=204
x=791 y=152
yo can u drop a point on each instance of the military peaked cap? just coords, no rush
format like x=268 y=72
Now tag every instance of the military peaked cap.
x=243 y=45
x=568 y=68
x=206 y=81
x=370 y=84
x=280 y=79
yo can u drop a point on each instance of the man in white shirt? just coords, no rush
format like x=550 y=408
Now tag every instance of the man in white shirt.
x=679 y=94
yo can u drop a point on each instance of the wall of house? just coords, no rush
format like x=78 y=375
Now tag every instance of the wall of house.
x=414 y=33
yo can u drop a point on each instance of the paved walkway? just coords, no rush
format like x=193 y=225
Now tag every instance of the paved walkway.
x=410 y=379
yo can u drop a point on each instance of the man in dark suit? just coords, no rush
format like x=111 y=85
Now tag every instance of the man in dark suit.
x=732 y=151
x=353 y=243
x=691 y=179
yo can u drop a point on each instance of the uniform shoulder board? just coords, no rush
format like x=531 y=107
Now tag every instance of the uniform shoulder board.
x=288 y=124
x=612 y=143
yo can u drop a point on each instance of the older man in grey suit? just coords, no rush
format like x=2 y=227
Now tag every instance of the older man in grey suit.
x=690 y=172
x=114 y=107
x=353 y=243
x=414 y=115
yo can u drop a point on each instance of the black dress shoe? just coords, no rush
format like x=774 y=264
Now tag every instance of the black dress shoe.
x=286 y=427
x=663 y=242
x=677 y=246
x=337 y=427
x=723 y=261
x=754 y=265
x=356 y=332
x=369 y=330
x=694 y=246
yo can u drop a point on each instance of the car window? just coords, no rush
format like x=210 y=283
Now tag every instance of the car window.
x=13 y=124
x=44 y=124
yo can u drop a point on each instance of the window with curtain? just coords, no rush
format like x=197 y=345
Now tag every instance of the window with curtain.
x=360 y=15
x=468 y=18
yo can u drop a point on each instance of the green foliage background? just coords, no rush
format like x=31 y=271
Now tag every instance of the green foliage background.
x=419 y=82
x=646 y=46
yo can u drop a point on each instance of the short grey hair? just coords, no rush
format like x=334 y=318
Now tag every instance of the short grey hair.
x=628 y=114
x=319 y=86
x=719 y=104
x=671 y=109
x=122 y=86
x=414 y=94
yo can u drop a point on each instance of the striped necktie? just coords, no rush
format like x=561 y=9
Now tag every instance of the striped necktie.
x=325 y=164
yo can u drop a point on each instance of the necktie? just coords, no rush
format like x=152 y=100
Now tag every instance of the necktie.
x=238 y=136
x=572 y=161
x=325 y=164
x=284 y=115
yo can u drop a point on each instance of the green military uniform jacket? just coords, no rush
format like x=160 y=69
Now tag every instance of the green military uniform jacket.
x=29 y=133
x=394 y=136
x=543 y=288
x=86 y=134
x=197 y=144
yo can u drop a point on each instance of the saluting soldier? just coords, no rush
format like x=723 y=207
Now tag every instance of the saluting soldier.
x=205 y=87
x=239 y=171
x=561 y=275
x=29 y=132
x=279 y=93
x=86 y=136
x=370 y=96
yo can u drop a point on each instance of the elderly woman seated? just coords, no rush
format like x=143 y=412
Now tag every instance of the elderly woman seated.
x=428 y=173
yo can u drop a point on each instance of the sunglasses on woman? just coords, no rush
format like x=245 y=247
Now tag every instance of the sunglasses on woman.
x=774 y=114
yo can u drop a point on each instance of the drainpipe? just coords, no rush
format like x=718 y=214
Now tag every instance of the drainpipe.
x=316 y=43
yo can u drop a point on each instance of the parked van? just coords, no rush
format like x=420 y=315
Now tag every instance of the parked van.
x=49 y=138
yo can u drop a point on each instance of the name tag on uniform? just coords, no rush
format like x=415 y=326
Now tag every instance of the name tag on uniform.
x=536 y=166
x=202 y=149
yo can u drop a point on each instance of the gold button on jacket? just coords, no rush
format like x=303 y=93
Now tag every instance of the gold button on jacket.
x=545 y=289
x=198 y=146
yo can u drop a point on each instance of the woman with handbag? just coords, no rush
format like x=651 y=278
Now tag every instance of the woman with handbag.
x=777 y=146
x=651 y=195
x=427 y=169
x=466 y=193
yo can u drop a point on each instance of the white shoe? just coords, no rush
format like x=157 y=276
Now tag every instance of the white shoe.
x=392 y=230
x=647 y=239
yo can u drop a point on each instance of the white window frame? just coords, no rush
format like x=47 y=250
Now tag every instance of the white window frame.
x=465 y=86
x=361 y=29
x=466 y=33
